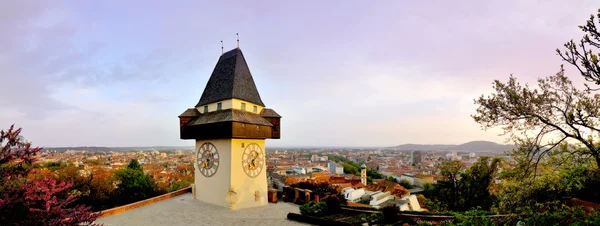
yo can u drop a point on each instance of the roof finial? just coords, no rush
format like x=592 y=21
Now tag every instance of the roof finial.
x=238 y=39
x=222 y=47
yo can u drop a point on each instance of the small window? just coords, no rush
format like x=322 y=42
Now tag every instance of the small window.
x=205 y=109
x=219 y=105
x=255 y=109
x=244 y=106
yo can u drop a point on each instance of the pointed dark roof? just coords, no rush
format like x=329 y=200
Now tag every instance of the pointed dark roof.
x=231 y=79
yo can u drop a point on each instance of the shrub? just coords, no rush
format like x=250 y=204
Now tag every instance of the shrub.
x=474 y=217
x=95 y=162
x=134 y=185
x=375 y=216
x=313 y=209
x=422 y=200
x=406 y=184
x=342 y=199
x=556 y=213
x=38 y=202
x=390 y=213
x=360 y=207
x=179 y=185
x=54 y=166
x=334 y=205
x=435 y=206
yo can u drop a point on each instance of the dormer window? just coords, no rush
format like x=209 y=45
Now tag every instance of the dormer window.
x=255 y=109
x=205 y=109
x=219 y=105
x=244 y=106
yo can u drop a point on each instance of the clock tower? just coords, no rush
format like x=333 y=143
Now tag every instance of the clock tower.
x=230 y=124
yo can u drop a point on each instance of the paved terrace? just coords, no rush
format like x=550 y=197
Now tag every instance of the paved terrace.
x=184 y=210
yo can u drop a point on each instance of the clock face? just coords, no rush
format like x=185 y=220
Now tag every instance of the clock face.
x=253 y=160
x=207 y=159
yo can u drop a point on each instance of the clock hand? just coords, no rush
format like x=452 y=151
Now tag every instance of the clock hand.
x=253 y=161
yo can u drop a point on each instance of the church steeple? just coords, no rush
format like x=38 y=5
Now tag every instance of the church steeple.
x=231 y=79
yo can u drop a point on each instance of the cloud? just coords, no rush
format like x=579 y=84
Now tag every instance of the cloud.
x=43 y=48
x=118 y=73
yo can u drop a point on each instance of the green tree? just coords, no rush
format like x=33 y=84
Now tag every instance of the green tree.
x=448 y=190
x=584 y=55
x=476 y=182
x=450 y=171
x=557 y=178
x=406 y=184
x=465 y=189
x=95 y=162
x=392 y=179
x=374 y=174
x=179 y=185
x=134 y=165
x=542 y=119
x=349 y=169
x=428 y=189
x=54 y=166
x=556 y=127
x=134 y=184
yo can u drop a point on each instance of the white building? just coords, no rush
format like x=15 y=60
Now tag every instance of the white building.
x=339 y=169
x=299 y=170
x=412 y=204
x=409 y=177
x=335 y=168
x=353 y=195
x=314 y=158
x=380 y=197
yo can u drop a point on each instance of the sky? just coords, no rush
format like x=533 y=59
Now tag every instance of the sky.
x=341 y=73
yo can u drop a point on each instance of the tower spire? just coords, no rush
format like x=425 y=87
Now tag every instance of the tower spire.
x=222 y=50
x=238 y=39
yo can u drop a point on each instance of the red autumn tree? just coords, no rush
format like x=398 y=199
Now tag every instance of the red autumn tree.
x=39 y=202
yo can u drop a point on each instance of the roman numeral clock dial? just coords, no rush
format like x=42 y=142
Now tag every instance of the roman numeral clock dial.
x=207 y=159
x=253 y=160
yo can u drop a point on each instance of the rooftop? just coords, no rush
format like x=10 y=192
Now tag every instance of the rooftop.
x=185 y=210
x=229 y=115
x=231 y=78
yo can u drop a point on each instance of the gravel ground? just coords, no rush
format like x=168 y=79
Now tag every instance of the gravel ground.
x=184 y=210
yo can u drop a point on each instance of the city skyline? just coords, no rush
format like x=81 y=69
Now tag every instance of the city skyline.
x=374 y=76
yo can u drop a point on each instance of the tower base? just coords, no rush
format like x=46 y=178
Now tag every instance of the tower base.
x=230 y=186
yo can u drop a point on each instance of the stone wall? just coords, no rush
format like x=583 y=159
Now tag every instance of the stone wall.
x=134 y=205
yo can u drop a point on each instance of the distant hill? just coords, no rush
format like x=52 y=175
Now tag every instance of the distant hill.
x=479 y=146
x=473 y=146
x=424 y=147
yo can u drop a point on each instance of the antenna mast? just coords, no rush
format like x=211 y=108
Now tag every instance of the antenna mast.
x=238 y=39
x=221 y=47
